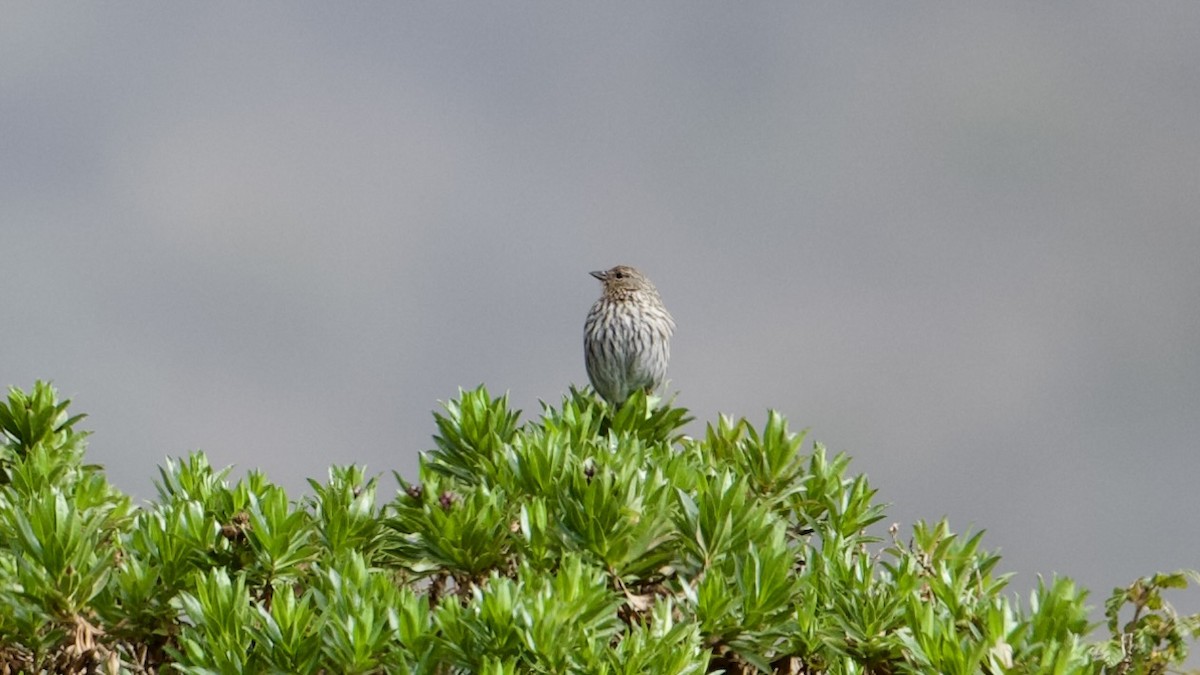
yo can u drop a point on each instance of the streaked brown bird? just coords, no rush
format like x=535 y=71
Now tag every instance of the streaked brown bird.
x=626 y=338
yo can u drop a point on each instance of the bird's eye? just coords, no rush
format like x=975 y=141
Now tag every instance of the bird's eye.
x=619 y=275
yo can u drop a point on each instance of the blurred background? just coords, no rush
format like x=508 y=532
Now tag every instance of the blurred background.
x=957 y=242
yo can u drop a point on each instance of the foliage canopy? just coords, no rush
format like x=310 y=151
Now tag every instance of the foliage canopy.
x=589 y=540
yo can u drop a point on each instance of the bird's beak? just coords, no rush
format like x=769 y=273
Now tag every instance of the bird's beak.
x=599 y=275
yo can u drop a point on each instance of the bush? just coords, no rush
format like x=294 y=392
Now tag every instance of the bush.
x=586 y=541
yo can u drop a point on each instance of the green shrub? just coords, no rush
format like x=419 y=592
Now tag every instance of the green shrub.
x=586 y=541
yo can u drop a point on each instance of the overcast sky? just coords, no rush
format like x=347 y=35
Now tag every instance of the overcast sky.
x=960 y=242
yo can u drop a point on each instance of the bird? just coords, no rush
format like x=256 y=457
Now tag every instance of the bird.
x=626 y=337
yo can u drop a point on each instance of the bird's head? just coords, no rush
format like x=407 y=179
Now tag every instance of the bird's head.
x=623 y=280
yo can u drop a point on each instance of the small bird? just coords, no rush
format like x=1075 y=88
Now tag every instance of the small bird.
x=626 y=338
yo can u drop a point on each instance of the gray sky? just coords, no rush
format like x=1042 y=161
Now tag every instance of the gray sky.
x=957 y=241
